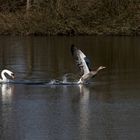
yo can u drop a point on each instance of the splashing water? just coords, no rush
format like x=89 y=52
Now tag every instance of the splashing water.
x=69 y=78
x=53 y=82
x=66 y=79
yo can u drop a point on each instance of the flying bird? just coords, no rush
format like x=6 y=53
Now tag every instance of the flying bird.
x=83 y=63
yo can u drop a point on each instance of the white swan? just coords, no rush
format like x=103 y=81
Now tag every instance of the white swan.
x=83 y=63
x=5 y=72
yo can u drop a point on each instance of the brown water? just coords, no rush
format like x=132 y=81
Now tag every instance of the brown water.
x=106 y=109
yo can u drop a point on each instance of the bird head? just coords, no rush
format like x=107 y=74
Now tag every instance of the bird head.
x=101 y=67
x=8 y=72
x=12 y=75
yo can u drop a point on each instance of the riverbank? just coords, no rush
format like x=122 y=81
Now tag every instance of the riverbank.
x=94 y=18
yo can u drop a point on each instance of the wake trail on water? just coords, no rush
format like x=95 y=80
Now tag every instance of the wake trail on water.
x=66 y=79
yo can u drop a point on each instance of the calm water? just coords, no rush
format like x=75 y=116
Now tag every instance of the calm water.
x=106 y=109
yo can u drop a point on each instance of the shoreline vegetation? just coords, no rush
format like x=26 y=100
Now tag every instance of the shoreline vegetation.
x=65 y=17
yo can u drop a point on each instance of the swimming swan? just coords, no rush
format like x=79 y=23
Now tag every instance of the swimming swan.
x=83 y=63
x=5 y=72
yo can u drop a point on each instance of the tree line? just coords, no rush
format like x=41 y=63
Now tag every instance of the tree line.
x=71 y=16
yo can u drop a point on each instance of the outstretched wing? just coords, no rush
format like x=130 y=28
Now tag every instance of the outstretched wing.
x=81 y=60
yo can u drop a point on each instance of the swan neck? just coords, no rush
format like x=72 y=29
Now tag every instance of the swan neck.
x=3 y=75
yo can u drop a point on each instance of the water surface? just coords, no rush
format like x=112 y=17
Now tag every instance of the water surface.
x=107 y=108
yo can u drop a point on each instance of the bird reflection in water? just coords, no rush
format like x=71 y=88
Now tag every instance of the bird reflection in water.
x=6 y=110
x=7 y=91
x=84 y=109
x=84 y=91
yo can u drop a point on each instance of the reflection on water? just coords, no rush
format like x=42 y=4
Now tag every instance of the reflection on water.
x=84 y=111
x=7 y=91
x=6 y=110
x=108 y=108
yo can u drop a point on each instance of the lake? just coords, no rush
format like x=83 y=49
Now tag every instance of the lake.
x=108 y=108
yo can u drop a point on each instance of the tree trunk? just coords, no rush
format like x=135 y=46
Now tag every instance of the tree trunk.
x=27 y=6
